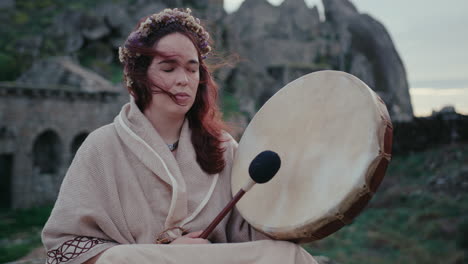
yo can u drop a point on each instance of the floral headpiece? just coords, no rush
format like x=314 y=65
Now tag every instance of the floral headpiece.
x=164 y=18
x=160 y=20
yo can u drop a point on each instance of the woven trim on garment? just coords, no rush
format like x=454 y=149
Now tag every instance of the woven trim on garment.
x=72 y=248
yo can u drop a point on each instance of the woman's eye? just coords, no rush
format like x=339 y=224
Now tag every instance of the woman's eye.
x=168 y=70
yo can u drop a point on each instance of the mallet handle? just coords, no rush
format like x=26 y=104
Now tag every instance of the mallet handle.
x=221 y=215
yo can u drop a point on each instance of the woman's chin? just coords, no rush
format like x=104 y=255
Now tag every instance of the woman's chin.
x=179 y=112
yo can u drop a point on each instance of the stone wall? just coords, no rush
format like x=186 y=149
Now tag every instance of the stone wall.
x=62 y=117
x=427 y=132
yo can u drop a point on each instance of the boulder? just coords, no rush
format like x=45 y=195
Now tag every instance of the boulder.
x=367 y=51
x=274 y=47
x=66 y=29
x=339 y=11
x=119 y=21
x=94 y=28
x=64 y=72
x=30 y=45
x=302 y=26
x=371 y=39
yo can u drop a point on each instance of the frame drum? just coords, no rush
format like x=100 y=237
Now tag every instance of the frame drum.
x=333 y=135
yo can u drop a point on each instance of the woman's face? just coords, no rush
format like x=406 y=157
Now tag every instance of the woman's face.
x=177 y=72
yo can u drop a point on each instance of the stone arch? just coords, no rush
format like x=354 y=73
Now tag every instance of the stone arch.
x=47 y=152
x=76 y=143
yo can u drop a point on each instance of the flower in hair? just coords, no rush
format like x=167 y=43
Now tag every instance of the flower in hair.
x=129 y=81
x=181 y=16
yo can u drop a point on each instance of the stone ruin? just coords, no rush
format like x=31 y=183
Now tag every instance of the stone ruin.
x=44 y=118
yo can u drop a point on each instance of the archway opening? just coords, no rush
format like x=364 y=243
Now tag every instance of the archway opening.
x=6 y=167
x=47 y=151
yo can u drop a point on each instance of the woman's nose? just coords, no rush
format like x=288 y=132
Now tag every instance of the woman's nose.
x=182 y=78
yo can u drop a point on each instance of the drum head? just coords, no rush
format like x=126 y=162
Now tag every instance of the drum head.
x=327 y=129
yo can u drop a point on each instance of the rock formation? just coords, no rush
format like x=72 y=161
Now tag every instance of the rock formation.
x=276 y=47
x=63 y=71
x=369 y=53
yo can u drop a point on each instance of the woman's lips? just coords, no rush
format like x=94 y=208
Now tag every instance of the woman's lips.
x=182 y=97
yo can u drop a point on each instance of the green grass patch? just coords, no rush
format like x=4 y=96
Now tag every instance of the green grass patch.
x=15 y=251
x=116 y=75
x=20 y=231
x=411 y=219
x=229 y=105
x=14 y=221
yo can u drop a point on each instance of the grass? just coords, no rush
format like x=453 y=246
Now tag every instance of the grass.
x=13 y=252
x=419 y=215
x=20 y=231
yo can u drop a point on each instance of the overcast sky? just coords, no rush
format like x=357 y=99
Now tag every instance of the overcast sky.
x=432 y=39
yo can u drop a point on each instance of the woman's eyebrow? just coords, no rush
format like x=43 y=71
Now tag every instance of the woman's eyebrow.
x=168 y=61
x=193 y=62
x=172 y=61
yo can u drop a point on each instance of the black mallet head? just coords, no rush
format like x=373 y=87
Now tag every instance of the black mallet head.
x=264 y=166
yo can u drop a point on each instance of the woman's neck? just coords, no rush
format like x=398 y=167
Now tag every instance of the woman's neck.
x=168 y=127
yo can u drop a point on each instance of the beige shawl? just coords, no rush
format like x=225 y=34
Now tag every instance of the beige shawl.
x=263 y=252
x=124 y=186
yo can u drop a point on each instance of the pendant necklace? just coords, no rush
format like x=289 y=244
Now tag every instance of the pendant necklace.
x=173 y=146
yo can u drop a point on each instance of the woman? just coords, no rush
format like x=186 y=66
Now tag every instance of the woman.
x=161 y=171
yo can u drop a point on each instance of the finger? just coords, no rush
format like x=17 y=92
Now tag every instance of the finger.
x=194 y=234
x=200 y=241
